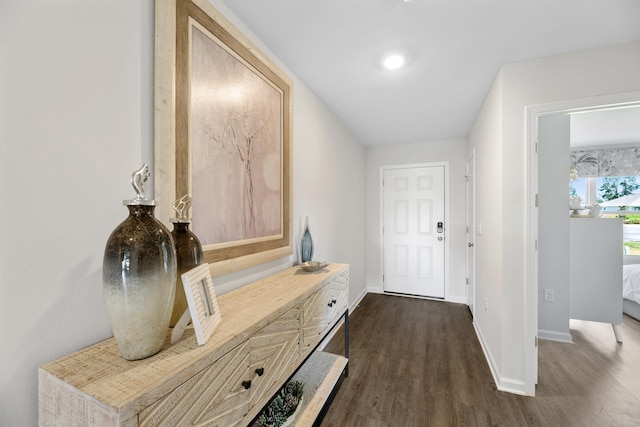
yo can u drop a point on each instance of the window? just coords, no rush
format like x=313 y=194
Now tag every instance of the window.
x=590 y=191
x=585 y=188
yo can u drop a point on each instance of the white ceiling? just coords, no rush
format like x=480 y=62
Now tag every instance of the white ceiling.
x=455 y=46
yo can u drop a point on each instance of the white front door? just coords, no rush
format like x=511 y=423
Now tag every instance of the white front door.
x=414 y=231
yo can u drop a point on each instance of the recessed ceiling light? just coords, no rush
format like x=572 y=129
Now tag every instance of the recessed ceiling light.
x=393 y=61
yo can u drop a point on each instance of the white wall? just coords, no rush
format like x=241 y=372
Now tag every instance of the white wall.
x=453 y=151
x=486 y=139
x=590 y=73
x=72 y=132
x=77 y=119
x=553 y=226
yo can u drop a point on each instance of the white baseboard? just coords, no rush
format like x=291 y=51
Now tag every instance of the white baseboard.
x=555 y=336
x=492 y=365
x=357 y=301
x=508 y=385
x=375 y=289
x=457 y=300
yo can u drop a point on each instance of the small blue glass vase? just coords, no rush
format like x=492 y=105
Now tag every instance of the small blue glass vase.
x=306 y=244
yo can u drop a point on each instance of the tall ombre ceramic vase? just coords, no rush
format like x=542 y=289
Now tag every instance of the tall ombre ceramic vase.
x=188 y=253
x=139 y=273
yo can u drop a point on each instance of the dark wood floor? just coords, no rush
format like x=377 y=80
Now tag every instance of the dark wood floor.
x=417 y=362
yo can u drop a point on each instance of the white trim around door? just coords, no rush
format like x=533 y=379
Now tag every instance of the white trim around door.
x=471 y=232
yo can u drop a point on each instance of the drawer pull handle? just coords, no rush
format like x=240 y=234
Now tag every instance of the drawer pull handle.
x=330 y=304
x=246 y=385
x=260 y=372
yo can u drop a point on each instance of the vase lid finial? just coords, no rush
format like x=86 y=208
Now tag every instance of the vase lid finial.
x=182 y=206
x=139 y=180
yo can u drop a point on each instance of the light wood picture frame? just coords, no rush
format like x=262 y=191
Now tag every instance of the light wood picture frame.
x=203 y=305
x=223 y=133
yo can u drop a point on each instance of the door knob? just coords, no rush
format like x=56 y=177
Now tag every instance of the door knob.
x=470 y=244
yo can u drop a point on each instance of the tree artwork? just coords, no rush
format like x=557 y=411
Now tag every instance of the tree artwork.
x=238 y=137
x=235 y=137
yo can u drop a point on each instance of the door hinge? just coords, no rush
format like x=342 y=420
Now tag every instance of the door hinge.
x=535 y=244
x=536 y=201
x=536 y=147
x=467 y=280
x=536 y=339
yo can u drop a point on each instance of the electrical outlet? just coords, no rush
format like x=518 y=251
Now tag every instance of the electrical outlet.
x=486 y=304
x=549 y=295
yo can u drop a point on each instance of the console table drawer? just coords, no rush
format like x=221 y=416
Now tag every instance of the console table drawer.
x=338 y=290
x=321 y=309
x=215 y=396
x=274 y=351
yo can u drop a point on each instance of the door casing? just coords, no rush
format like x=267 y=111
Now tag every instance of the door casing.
x=471 y=232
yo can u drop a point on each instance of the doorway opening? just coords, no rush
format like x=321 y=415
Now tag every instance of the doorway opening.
x=532 y=214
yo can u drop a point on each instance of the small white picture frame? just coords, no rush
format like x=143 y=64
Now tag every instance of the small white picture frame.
x=201 y=297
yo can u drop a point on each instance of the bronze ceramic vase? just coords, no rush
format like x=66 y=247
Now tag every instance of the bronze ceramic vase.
x=188 y=253
x=139 y=273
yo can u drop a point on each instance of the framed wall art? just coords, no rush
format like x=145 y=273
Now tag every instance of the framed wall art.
x=223 y=130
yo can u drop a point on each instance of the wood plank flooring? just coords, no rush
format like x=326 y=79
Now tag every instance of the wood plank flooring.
x=417 y=362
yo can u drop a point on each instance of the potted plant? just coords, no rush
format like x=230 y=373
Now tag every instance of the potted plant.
x=280 y=412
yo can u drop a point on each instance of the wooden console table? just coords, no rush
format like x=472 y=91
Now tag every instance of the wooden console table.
x=270 y=330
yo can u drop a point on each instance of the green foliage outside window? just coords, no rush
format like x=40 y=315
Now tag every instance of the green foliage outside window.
x=617 y=186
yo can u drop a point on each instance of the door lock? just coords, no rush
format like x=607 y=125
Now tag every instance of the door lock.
x=440 y=227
